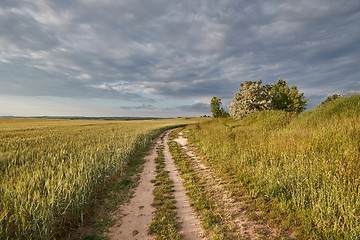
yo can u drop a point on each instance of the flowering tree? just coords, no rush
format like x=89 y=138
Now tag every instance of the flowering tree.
x=252 y=97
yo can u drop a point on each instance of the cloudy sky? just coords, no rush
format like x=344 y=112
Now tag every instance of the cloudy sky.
x=167 y=58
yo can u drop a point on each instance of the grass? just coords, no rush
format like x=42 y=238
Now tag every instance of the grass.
x=165 y=224
x=116 y=190
x=301 y=169
x=53 y=170
x=201 y=199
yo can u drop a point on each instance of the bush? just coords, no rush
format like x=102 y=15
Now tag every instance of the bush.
x=253 y=97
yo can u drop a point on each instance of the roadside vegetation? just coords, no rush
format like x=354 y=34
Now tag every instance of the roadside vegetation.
x=54 y=170
x=201 y=200
x=254 y=97
x=302 y=169
x=165 y=224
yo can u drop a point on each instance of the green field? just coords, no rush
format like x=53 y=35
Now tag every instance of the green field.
x=50 y=169
x=303 y=170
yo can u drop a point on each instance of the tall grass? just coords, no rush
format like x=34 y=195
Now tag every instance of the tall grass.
x=50 y=169
x=306 y=165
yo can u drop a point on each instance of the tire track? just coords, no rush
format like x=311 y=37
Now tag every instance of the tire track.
x=191 y=227
x=231 y=210
x=132 y=220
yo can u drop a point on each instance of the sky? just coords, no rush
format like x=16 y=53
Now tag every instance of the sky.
x=166 y=58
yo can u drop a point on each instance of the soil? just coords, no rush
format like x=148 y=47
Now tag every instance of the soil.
x=133 y=219
x=191 y=228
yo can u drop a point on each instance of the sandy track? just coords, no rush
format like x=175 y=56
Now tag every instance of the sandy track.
x=132 y=219
x=191 y=228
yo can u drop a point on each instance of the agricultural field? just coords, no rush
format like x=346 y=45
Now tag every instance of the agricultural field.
x=301 y=170
x=286 y=175
x=51 y=168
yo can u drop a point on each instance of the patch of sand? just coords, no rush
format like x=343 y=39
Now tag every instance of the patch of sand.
x=133 y=218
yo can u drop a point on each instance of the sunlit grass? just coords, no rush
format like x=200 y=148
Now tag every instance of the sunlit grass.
x=201 y=199
x=306 y=166
x=51 y=168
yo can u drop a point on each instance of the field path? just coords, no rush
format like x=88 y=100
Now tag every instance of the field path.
x=234 y=213
x=191 y=227
x=132 y=219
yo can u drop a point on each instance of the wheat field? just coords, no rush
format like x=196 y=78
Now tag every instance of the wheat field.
x=50 y=168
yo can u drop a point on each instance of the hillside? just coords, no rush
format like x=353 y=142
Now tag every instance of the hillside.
x=300 y=169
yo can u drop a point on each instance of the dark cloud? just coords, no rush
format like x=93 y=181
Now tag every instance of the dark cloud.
x=196 y=107
x=156 y=51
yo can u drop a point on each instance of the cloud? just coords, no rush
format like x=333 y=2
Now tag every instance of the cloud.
x=352 y=92
x=84 y=76
x=143 y=52
x=143 y=106
x=196 y=107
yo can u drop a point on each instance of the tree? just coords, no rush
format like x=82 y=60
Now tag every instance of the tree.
x=216 y=109
x=224 y=113
x=252 y=97
x=286 y=98
x=332 y=97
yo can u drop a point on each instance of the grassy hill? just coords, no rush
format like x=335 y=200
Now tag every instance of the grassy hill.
x=301 y=169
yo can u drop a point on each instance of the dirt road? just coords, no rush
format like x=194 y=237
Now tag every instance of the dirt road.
x=133 y=219
x=191 y=228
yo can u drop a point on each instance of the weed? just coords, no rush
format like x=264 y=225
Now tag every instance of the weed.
x=164 y=224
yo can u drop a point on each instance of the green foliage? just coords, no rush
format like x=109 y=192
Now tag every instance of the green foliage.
x=216 y=109
x=224 y=113
x=253 y=97
x=164 y=225
x=304 y=172
x=286 y=98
